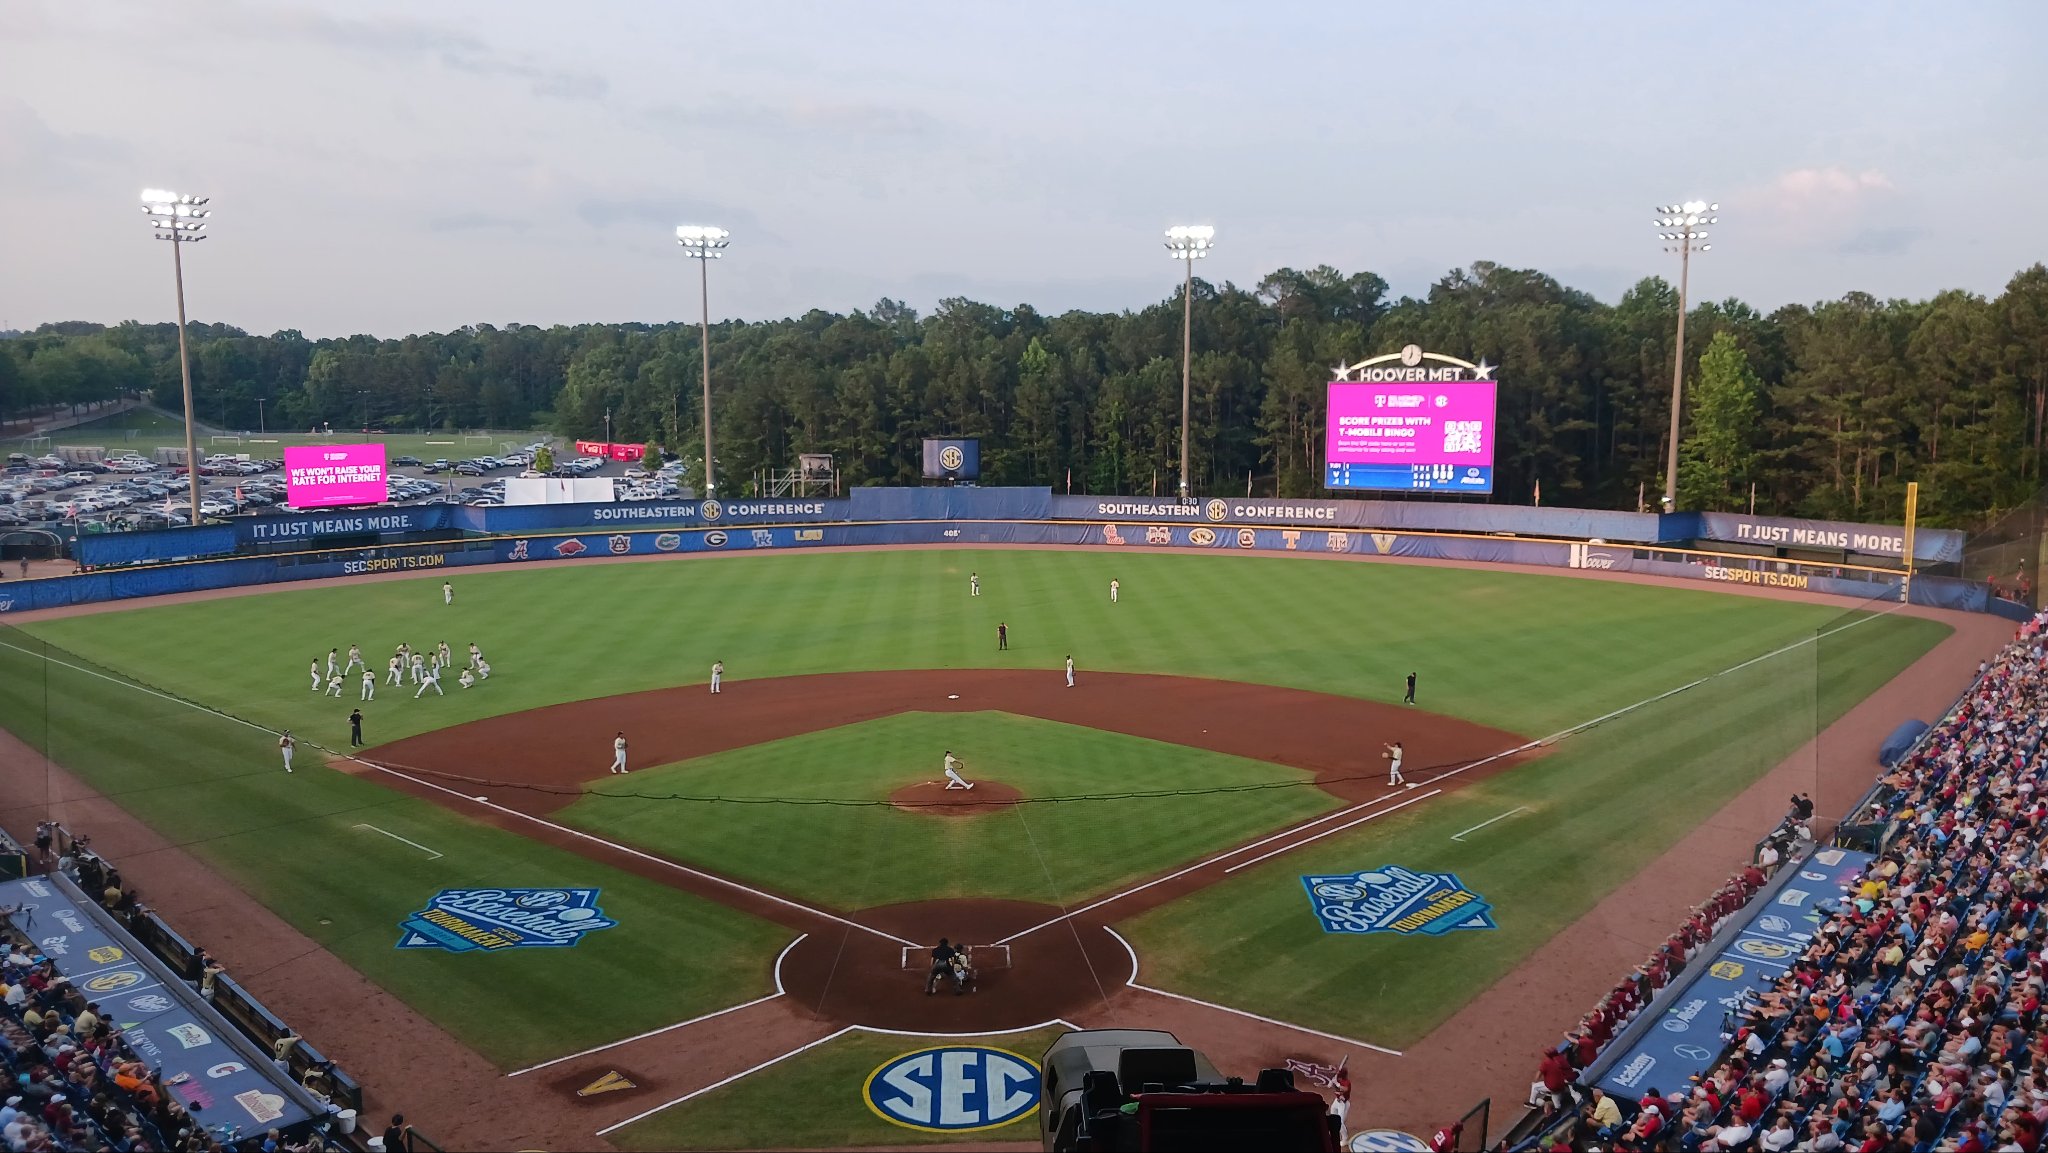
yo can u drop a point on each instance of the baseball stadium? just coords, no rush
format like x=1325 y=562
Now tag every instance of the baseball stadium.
x=1195 y=830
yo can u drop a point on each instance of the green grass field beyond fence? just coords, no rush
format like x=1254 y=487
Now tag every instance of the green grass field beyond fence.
x=142 y=430
x=1532 y=654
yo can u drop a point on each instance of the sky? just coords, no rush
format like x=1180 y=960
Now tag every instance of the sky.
x=390 y=166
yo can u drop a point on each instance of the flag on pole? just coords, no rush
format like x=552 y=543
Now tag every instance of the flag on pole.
x=1247 y=482
x=1539 y=492
x=1070 y=480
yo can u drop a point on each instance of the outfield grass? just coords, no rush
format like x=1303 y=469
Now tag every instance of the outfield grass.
x=1531 y=654
x=855 y=857
x=1600 y=807
x=825 y=1084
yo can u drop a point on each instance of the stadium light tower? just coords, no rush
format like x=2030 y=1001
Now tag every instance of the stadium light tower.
x=181 y=220
x=704 y=245
x=1187 y=243
x=1684 y=225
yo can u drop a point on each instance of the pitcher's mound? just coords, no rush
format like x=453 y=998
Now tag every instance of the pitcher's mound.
x=934 y=799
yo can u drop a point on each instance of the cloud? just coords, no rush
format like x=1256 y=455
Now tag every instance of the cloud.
x=1826 y=207
x=794 y=120
x=475 y=222
x=556 y=84
x=1881 y=241
x=1815 y=185
x=40 y=157
x=660 y=214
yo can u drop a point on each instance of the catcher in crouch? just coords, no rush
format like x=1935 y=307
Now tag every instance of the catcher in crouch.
x=949 y=961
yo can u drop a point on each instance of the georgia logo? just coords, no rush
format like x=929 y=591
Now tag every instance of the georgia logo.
x=667 y=542
x=620 y=544
x=950 y=457
x=714 y=539
x=1202 y=534
x=712 y=510
x=226 y=1069
x=953 y=1089
x=1216 y=509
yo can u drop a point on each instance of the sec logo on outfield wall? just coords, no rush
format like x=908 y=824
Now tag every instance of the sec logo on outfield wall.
x=953 y=1089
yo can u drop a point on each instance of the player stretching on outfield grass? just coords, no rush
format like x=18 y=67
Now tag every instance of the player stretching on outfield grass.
x=447 y=593
x=397 y=676
x=314 y=669
x=431 y=679
x=355 y=659
x=369 y=685
x=1114 y=588
x=1393 y=759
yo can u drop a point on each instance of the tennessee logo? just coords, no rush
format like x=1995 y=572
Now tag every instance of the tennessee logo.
x=611 y=1082
x=1292 y=538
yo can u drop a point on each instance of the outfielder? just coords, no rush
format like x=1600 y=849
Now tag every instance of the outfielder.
x=619 y=753
x=355 y=659
x=285 y=745
x=1070 y=671
x=974 y=584
x=1114 y=588
x=369 y=685
x=447 y=593
x=334 y=685
x=717 y=674
x=397 y=676
x=953 y=778
x=431 y=679
x=1393 y=759
x=314 y=669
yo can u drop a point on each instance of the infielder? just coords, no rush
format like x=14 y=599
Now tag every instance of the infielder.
x=1393 y=759
x=974 y=584
x=447 y=593
x=314 y=669
x=717 y=674
x=431 y=679
x=355 y=659
x=1070 y=671
x=953 y=778
x=619 y=753
x=369 y=685
x=334 y=685
x=397 y=676
x=1114 y=588
x=285 y=745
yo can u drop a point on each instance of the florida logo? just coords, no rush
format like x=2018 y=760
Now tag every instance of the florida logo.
x=1158 y=534
x=667 y=542
x=712 y=510
x=620 y=544
x=571 y=547
x=1216 y=509
x=1391 y=899
x=1202 y=534
x=467 y=920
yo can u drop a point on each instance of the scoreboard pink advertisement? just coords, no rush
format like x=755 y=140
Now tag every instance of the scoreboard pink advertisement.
x=1411 y=435
x=330 y=475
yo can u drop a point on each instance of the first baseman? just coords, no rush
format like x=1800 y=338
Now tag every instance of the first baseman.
x=1393 y=759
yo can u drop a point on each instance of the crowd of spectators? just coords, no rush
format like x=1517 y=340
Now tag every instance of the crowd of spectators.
x=1912 y=1019
x=1560 y=1066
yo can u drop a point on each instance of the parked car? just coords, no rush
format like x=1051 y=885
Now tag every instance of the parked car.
x=405 y=462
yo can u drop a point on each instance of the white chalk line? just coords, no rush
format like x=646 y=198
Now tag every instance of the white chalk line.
x=1517 y=750
x=722 y=1083
x=778 y=960
x=1483 y=824
x=432 y=854
x=1133 y=983
x=595 y=1049
x=547 y=824
x=1414 y=800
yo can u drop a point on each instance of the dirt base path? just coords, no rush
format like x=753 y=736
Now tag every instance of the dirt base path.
x=373 y=1035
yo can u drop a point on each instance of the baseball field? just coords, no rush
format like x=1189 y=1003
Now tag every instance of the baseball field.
x=785 y=848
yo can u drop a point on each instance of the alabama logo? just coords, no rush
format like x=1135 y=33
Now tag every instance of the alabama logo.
x=518 y=551
x=1391 y=899
x=466 y=920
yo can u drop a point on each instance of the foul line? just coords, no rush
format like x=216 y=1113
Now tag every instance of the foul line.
x=432 y=855
x=642 y=1116
x=546 y=824
x=1133 y=983
x=649 y=1033
x=1483 y=824
x=1416 y=799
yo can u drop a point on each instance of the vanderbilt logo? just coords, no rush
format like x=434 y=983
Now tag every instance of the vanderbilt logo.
x=1383 y=542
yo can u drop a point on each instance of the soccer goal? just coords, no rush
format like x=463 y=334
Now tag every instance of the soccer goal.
x=39 y=442
x=226 y=438
x=476 y=438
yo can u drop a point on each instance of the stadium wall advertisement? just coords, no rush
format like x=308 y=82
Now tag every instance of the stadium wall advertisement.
x=1410 y=435
x=1930 y=546
x=333 y=475
x=545 y=543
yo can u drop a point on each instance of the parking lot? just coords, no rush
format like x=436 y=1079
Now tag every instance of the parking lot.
x=125 y=492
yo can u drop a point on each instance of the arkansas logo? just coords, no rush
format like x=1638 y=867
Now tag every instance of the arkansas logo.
x=620 y=544
x=1158 y=534
x=571 y=547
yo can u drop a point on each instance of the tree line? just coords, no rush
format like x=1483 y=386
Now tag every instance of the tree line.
x=1823 y=411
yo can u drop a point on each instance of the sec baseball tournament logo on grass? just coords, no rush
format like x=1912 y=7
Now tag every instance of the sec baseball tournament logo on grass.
x=953 y=1089
x=1391 y=899
x=464 y=920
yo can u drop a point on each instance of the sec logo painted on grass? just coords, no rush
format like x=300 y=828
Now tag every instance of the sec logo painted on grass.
x=953 y=1089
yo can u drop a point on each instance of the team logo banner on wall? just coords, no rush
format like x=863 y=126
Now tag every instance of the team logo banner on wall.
x=1391 y=899
x=465 y=920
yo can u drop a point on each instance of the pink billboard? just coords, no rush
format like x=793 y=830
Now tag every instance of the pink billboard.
x=1411 y=434
x=324 y=476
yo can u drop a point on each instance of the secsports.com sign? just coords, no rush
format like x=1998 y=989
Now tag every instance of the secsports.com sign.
x=953 y=1089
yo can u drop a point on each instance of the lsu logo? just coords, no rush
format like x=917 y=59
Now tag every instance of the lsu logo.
x=667 y=542
x=1202 y=535
x=620 y=544
x=954 y=1089
x=1391 y=899
x=518 y=551
x=711 y=509
x=1340 y=542
x=1383 y=542
x=951 y=458
x=1111 y=536
x=818 y=534
x=571 y=547
x=714 y=539
x=1246 y=538
x=1158 y=534
x=1216 y=510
